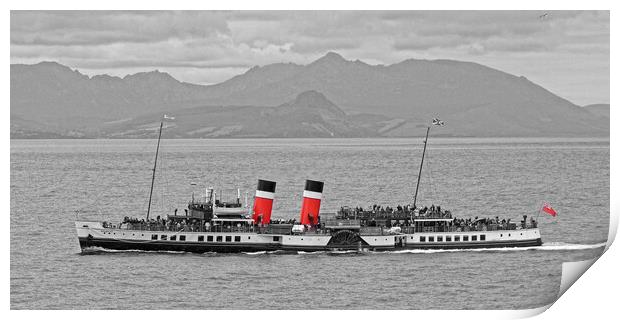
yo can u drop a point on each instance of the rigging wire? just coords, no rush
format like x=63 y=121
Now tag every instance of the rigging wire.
x=430 y=176
x=166 y=186
x=95 y=202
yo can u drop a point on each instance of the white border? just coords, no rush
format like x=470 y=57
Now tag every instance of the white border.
x=594 y=295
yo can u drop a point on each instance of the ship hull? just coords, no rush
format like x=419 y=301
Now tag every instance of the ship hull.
x=120 y=245
x=115 y=244
x=93 y=235
x=481 y=245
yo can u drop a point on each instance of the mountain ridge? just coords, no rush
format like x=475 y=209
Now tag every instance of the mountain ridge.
x=310 y=114
x=474 y=99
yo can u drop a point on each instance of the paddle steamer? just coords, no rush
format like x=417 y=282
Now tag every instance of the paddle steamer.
x=214 y=224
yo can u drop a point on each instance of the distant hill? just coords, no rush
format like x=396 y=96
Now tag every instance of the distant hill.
x=310 y=114
x=472 y=99
x=601 y=110
x=54 y=94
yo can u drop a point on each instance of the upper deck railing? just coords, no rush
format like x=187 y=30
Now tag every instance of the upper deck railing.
x=267 y=229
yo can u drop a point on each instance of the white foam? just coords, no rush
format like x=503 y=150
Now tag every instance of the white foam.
x=343 y=252
x=255 y=253
x=310 y=252
x=552 y=246
x=99 y=249
x=276 y=252
x=329 y=252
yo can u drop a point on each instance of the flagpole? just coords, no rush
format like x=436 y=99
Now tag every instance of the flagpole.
x=539 y=210
x=148 y=211
x=415 y=197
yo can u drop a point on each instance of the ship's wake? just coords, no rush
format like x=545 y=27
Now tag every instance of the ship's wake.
x=551 y=246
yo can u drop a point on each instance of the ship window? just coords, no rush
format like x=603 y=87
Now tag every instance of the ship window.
x=474 y=238
x=154 y=237
x=209 y=238
x=509 y=234
x=237 y=238
x=483 y=237
x=201 y=238
x=276 y=238
x=422 y=239
x=218 y=238
x=163 y=237
x=431 y=239
x=448 y=238
x=465 y=238
x=457 y=238
x=501 y=235
x=182 y=237
x=439 y=238
x=173 y=238
x=228 y=238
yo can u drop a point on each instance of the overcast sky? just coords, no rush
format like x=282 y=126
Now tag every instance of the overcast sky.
x=565 y=52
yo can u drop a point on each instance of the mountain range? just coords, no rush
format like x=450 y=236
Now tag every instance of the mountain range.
x=330 y=97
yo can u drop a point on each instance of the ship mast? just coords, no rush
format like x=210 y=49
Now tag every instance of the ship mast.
x=148 y=211
x=415 y=197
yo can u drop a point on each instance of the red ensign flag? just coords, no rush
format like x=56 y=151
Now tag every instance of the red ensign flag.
x=546 y=208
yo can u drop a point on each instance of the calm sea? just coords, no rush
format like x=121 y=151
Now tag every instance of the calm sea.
x=110 y=179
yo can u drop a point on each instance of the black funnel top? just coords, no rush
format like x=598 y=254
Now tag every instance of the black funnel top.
x=266 y=185
x=315 y=186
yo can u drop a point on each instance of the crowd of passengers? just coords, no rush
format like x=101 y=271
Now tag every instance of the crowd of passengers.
x=460 y=224
x=433 y=212
x=165 y=224
x=160 y=224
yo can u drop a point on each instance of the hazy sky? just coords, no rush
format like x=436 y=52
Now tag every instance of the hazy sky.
x=565 y=52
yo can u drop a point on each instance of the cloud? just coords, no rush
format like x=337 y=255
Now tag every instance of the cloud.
x=73 y=28
x=216 y=45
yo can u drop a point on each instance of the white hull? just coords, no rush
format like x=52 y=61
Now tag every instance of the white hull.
x=93 y=234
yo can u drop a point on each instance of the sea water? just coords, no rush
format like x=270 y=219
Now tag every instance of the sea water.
x=54 y=180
